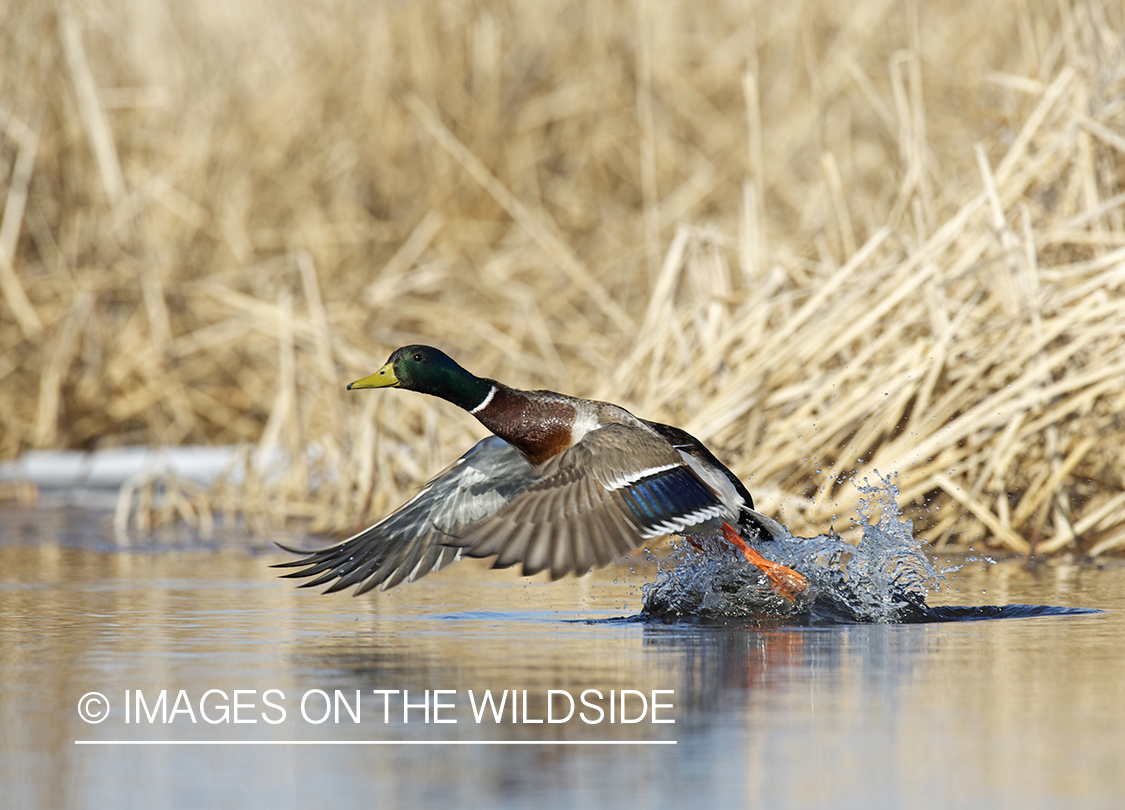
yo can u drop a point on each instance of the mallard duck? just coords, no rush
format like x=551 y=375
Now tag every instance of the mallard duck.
x=564 y=484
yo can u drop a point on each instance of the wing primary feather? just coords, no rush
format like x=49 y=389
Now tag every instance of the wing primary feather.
x=562 y=544
x=538 y=553
x=514 y=545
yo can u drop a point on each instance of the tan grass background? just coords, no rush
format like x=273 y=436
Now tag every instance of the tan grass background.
x=824 y=237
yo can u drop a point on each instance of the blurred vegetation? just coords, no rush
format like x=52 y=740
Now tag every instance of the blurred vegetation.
x=824 y=237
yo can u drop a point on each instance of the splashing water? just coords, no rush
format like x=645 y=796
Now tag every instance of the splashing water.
x=886 y=577
x=888 y=570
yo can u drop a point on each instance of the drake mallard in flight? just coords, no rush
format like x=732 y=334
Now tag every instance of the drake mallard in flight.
x=565 y=484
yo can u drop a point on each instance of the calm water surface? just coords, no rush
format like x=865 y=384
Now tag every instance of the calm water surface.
x=1023 y=713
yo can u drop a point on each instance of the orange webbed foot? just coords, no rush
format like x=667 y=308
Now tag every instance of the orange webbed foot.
x=784 y=580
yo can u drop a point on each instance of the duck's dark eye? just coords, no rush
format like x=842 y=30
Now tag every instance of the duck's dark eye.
x=418 y=358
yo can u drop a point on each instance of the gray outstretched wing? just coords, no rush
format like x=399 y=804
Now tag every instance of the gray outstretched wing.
x=616 y=488
x=414 y=539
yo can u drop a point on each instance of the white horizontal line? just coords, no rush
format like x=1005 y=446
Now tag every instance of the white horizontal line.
x=375 y=742
x=631 y=478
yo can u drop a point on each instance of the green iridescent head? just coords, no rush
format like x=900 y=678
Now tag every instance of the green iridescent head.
x=428 y=371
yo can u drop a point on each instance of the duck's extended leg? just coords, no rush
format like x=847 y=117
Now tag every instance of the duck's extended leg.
x=784 y=580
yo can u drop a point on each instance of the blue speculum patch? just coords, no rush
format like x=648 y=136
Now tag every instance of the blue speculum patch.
x=665 y=495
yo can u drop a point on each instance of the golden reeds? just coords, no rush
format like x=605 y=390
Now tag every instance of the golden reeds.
x=826 y=238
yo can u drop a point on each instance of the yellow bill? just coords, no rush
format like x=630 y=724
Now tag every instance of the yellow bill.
x=383 y=378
